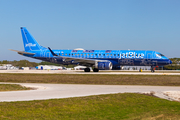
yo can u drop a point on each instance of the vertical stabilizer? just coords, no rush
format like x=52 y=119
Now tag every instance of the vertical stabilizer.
x=29 y=42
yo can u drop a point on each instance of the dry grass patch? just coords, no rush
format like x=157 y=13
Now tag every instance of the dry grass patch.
x=158 y=80
x=12 y=87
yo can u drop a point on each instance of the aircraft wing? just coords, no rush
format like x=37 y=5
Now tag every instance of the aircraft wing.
x=22 y=52
x=82 y=61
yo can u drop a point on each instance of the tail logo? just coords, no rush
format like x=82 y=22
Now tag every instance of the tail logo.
x=30 y=45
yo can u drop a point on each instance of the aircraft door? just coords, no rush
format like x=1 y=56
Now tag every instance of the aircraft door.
x=149 y=59
x=48 y=55
x=119 y=60
x=41 y=53
x=149 y=56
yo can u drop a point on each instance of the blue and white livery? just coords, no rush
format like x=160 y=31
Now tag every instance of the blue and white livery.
x=98 y=59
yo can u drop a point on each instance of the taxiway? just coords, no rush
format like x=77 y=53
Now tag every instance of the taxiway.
x=56 y=91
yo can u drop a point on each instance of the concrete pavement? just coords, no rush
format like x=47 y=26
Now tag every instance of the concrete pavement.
x=52 y=91
x=114 y=72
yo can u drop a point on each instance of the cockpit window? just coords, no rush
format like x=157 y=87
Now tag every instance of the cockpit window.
x=161 y=55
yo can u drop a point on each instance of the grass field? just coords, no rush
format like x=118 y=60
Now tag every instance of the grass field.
x=12 y=87
x=158 y=80
x=127 y=106
x=114 y=106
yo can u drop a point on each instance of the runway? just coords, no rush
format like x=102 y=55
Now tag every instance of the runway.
x=56 y=91
x=113 y=72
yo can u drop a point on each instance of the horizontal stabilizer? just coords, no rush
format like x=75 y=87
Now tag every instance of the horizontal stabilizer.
x=22 y=52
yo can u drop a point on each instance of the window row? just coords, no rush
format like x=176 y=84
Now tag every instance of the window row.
x=101 y=54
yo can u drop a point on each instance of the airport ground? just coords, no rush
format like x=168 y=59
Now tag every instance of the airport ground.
x=122 y=106
x=111 y=106
x=101 y=79
x=118 y=72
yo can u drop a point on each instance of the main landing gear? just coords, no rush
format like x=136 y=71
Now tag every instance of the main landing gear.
x=88 y=70
x=95 y=70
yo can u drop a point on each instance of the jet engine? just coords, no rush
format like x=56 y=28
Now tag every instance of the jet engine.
x=103 y=65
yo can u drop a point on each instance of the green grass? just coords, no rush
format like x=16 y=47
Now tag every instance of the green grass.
x=158 y=80
x=12 y=87
x=126 y=106
x=114 y=106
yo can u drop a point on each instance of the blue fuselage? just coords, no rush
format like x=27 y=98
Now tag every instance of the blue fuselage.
x=99 y=59
x=116 y=57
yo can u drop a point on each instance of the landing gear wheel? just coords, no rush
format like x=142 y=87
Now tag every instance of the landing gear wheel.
x=152 y=69
x=86 y=70
x=95 y=70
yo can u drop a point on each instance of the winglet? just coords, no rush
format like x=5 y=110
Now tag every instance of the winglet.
x=52 y=52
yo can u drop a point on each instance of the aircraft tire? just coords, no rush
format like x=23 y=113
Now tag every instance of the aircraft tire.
x=95 y=70
x=86 y=70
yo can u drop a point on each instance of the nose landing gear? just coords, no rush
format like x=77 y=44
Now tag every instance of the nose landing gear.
x=152 y=69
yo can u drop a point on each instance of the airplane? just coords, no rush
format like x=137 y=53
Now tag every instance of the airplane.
x=98 y=59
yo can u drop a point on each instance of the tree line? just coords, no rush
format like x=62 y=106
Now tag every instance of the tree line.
x=26 y=63
x=174 y=66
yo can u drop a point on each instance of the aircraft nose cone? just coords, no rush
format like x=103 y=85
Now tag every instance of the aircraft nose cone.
x=170 y=62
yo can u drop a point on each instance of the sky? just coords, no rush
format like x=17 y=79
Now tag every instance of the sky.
x=91 y=24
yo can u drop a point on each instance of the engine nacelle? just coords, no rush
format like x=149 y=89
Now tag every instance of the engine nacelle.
x=103 y=65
